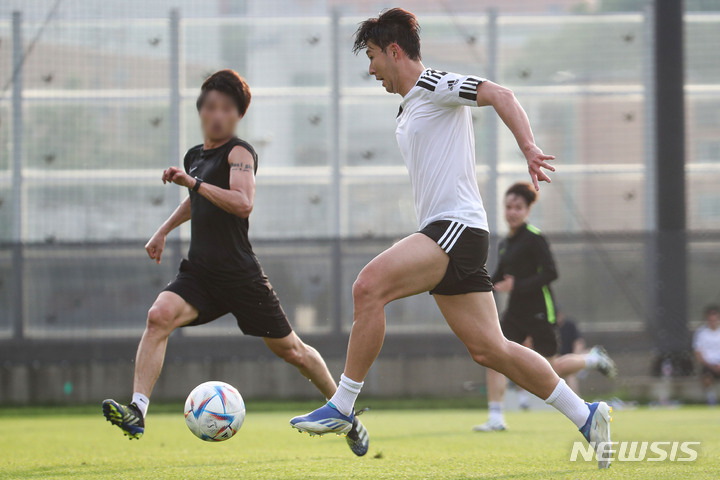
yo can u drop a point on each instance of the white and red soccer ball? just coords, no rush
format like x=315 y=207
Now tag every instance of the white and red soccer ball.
x=214 y=411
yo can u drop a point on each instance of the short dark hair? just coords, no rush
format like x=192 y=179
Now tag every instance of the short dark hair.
x=391 y=26
x=711 y=310
x=230 y=83
x=524 y=190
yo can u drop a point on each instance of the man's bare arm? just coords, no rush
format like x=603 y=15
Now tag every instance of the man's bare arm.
x=156 y=244
x=239 y=199
x=513 y=115
x=177 y=218
x=700 y=359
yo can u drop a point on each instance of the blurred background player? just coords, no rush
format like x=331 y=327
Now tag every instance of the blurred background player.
x=706 y=344
x=447 y=255
x=221 y=274
x=570 y=340
x=525 y=270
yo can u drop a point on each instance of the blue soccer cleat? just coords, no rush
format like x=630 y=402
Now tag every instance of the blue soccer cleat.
x=326 y=419
x=597 y=432
x=127 y=417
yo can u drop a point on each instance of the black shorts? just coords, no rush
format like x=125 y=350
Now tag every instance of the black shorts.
x=518 y=326
x=254 y=305
x=467 y=248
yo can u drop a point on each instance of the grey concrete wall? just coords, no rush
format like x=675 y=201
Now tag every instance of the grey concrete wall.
x=92 y=382
x=421 y=365
x=431 y=376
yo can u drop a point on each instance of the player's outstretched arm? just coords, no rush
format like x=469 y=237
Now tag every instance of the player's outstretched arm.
x=156 y=244
x=513 y=115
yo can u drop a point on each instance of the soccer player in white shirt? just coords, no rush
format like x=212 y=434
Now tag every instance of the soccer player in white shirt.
x=706 y=344
x=447 y=255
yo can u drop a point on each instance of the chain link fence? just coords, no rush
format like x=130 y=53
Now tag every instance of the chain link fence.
x=97 y=101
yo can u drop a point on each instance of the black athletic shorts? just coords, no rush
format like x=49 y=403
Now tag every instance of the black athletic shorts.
x=518 y=326
x=254 y=305
x=467 y=248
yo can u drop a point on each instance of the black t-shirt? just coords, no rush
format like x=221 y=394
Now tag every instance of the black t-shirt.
x=219 y=246
x=526 y=256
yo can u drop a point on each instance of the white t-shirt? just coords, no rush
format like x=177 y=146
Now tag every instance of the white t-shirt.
x=707 y=342
x=437 y=142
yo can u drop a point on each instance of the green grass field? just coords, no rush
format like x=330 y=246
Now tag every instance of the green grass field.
x=405 y=444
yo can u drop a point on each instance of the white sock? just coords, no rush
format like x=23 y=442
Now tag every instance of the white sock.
x=142 y=402
x=523 y=398
x=495 y=412
x=347 y=392
x=569 y=404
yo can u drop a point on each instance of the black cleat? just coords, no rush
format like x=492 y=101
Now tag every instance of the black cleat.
x=128 y=418
x=358 y=438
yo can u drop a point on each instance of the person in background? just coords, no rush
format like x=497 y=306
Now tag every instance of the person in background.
x=571 y=341
x=706 y=345
x=525 y=270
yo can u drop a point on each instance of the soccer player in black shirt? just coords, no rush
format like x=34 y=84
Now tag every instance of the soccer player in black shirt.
x=221 y=274
x=525 y=270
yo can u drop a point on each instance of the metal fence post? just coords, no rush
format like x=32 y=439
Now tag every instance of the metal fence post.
x=17 y=207
x=174 y=81
x=649 y=113
x=172 y=195
x=672 y=337
x=491 y=148
x=174 y=157
x=336 y=164
x=650 y=170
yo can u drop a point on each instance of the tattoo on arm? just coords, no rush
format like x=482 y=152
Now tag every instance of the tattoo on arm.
x=240 y=167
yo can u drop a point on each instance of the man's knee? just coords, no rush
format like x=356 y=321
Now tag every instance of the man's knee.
x=160 y=319
x=491 y=354
x=365 y=290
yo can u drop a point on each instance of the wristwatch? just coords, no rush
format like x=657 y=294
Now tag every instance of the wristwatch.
x=196 y=187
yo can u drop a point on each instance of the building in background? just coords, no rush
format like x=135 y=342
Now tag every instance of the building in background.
x=332 y=188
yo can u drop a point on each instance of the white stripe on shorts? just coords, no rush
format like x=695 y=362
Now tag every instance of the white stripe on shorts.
x=447 y=232
x=459 y=233
x=450 y=239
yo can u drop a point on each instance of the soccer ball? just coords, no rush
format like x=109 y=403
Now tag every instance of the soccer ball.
x=214 y=411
